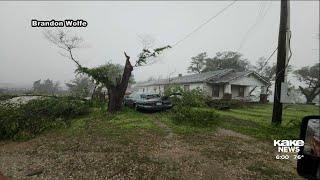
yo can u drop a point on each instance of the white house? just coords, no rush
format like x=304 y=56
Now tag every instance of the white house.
x=219 y=84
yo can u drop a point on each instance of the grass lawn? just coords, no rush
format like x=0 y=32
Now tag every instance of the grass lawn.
x=256 y=121
x=135 y=145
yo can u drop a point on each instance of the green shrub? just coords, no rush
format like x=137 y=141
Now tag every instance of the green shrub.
x=186 y=107
x=194 y=116
x=233 y=103
x=4 y=97
x=194 y=98
x=25 y=120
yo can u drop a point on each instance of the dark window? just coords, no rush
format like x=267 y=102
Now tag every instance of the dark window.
x=143 y=90
x=215 y=91
x=186 y=88
x=150 y=96
x=241 y=91
x=155 y=89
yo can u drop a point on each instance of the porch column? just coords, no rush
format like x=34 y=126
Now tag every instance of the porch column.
x=263 y=95
x=227 y=92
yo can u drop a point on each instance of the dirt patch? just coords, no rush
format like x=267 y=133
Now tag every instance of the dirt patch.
x=188 y=163
x=226 y=132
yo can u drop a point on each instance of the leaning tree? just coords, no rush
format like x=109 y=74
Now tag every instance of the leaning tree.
x=114 y=77
x=310 y=77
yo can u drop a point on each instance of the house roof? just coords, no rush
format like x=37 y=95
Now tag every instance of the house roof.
x=232 y=76
x=219 y=76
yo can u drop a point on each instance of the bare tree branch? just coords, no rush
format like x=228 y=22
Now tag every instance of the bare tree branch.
x=63 y=41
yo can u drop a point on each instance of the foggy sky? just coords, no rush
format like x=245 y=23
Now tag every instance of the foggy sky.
x=114 y=27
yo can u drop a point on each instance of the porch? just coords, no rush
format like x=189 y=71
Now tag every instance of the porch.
x=235 y=91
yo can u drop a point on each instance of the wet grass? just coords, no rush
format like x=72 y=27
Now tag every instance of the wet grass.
x=256 y=121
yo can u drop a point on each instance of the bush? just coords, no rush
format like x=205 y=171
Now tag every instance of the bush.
x=4 y=97
x=194 y=98
x=194 y=116
x=233 y=103
x=25 y=120
x=186 y=109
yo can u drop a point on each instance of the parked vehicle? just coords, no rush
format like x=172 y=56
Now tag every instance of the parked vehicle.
x=147 y=101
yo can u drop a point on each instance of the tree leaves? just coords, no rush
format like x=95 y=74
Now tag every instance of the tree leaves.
x=310 y=76
x=148 y=53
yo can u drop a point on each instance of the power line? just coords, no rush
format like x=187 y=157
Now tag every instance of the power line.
x=286 y=65
x=271 y=55
x=204 y=23
x=258 y=21
x=266 y=62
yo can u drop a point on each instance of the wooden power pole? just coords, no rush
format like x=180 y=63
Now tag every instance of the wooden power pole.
x=282 y=59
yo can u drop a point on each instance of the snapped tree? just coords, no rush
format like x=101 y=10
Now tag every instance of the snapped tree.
x=309 y=76
x=108 y=74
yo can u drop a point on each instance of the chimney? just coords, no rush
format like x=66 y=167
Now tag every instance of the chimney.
x=179 y=75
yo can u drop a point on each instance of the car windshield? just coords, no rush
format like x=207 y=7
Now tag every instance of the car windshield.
x=150 y=96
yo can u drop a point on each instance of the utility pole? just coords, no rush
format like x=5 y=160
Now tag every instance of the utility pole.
x=282 y=59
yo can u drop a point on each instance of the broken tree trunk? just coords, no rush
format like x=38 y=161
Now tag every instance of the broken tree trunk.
x=116 y=93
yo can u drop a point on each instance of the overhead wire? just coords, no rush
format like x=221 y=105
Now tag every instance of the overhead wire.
x=206 y=22
x=260 y=18
x=286 y=65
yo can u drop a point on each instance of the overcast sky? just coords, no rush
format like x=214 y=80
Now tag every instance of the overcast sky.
x=114 y=27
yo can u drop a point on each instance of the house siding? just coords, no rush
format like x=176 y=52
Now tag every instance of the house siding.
x=246 y=81
x=249 y=80
x=155 y=88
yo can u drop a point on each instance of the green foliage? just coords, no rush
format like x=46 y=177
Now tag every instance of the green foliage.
x=194 y=98
x=309 y=76
x=99 y=103
x=198 y=63
x=227 y=60
x=194 y=116
x=24 y=120
x=4 y=97
x=47 y=87
x=80 y=86
x=185 y=111
x=108 y=74
x=146 y=54
x=233 y=103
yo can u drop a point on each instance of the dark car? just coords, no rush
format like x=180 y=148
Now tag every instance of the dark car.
x=147 y=101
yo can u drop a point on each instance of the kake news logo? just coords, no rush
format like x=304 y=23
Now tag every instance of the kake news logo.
x=288 y=146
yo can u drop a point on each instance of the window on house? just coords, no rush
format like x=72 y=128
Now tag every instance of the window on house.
x=143 y=90
x=215 y=91
x=155 y=89
x=241 y=91
x=186 y=88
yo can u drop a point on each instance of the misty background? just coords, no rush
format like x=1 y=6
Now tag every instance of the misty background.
x=115 y=27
